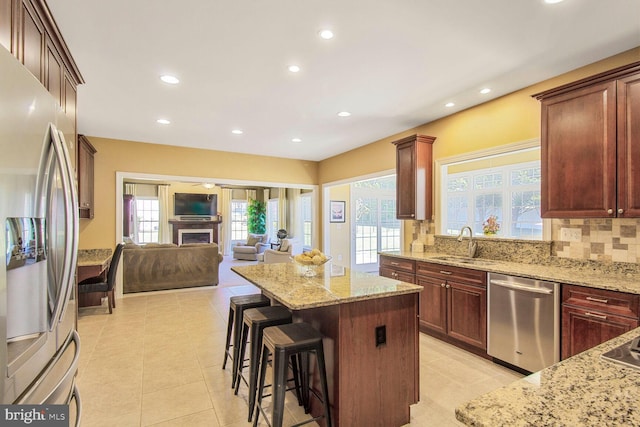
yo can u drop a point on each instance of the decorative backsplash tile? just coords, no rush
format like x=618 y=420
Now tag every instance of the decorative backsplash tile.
x=602 y=240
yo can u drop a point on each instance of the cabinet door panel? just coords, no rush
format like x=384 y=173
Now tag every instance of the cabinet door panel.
x=53 y=71
x=467 y=313
x=6 y=24
x=32 y=41
x=433 y=304
x=629 y=146
x=578 y=148
x=584 y=329
x=406 y=181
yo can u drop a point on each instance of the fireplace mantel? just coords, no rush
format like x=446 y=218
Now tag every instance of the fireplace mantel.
x=184 y=225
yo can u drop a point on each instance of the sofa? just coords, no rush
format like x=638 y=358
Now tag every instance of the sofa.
x=251 y=248
x=154 y=267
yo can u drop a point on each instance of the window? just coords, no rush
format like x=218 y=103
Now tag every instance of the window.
x=506 y=186
x=148 y=217
x=307 y=216
x=273 y=218
x=238 y=220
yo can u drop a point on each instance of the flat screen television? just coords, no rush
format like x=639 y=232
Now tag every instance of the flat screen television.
x=188 y=204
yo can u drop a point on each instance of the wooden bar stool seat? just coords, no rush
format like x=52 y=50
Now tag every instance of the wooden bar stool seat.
x=283 y=342
x=237 y=305
x=255 y=321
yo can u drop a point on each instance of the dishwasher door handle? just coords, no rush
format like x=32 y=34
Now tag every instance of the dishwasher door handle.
x=521 y=287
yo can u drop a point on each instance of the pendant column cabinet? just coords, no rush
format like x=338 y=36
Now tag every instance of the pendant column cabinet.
x=414 y=177
x=86 y=151
x=590 y=146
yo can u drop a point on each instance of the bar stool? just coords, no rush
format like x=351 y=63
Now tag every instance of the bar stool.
x=282 y=342
x=255 y=321
x=237 y=305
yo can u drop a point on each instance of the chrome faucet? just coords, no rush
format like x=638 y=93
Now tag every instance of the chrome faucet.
x=473 y=246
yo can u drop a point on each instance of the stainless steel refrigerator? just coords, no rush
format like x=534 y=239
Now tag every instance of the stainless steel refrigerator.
x=39 y=344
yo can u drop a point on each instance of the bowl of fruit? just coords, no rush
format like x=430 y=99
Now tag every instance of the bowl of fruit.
x=311 y=261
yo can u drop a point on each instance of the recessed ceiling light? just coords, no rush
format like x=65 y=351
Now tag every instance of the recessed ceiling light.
x=163 y=121
x=449 y=104
x=344 y=114
x=485 y=90
x=237 y=132
x=326 y=34
x=296 y=140
x=294 y=68
x=552 y=1
x=172 y=80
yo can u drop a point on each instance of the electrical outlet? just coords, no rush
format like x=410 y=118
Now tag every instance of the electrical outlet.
x=571 y=234
x=381 y=335
x=340 y=257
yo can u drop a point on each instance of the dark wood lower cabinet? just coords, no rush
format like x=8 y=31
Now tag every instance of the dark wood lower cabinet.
x=453 y=305
x=583 y=330
x=593 y=316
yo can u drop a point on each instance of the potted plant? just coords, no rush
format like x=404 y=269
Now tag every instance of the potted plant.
x=256 y=217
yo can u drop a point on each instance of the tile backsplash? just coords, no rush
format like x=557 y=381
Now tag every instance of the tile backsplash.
x=602 y=240
x=607 y=239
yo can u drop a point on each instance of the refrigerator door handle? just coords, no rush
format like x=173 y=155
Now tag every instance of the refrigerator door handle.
x=73 y=368
x=76 y=396
x=72 y=223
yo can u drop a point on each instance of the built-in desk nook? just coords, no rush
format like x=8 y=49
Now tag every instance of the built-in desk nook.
x=370 y=329
x=92 y=263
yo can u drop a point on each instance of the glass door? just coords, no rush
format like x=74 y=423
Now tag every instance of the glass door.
x=373 y=207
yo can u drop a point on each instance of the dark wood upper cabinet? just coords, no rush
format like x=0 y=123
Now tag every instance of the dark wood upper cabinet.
x=85 y=166
x=590 y=134
x=29 y=32
x=414 y=177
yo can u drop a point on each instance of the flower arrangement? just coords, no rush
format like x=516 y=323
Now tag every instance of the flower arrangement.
x=491 y=226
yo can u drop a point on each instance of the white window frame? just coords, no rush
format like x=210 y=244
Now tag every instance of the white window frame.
x=494 y=151
x=238 y=226
x=140 y=232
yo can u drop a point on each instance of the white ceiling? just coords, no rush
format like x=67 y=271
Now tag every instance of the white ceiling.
x=392 y=64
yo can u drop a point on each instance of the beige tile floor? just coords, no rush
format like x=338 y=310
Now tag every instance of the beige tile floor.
x=156 y=361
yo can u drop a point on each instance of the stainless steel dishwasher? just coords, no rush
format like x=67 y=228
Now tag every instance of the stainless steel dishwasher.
x=523 y=321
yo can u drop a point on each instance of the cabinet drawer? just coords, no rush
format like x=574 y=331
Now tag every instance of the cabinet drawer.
x=446 y=272
x=407 y=265
x=601 y=300
x=397 y=275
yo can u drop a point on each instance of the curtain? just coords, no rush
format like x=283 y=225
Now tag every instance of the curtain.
x=225 y=228
x=164 y=233
x=130 y=189
x=282 y=210
x=251 y=195
x=295 y=224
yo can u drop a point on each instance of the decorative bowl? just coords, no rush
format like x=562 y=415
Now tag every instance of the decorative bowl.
x=311 y=268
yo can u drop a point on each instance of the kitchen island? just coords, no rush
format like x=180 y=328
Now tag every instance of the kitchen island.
x=371 y=382
x=584 y=390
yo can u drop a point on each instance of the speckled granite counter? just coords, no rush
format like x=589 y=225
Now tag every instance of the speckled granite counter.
x=589 y=274
x=91 y=257
x=583 y=390
x=332 y=285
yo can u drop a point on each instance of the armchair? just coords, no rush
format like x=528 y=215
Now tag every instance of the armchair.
x=282 y=254
x=249 y=250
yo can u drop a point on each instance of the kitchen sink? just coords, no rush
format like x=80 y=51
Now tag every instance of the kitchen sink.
x=464 y=260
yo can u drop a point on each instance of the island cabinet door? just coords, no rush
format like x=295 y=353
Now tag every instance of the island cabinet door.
x=433 y=304
x=467 y=313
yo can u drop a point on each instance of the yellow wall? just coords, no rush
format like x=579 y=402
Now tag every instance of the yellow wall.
x=511 y=118
x=134 y=157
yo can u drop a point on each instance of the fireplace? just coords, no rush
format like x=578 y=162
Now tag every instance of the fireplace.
x=195 y=235
x=200 y=231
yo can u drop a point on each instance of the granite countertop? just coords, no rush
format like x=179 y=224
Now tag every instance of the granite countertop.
x=90 y=257
x=591 y=277
x=583 y=390
x=332 y=284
